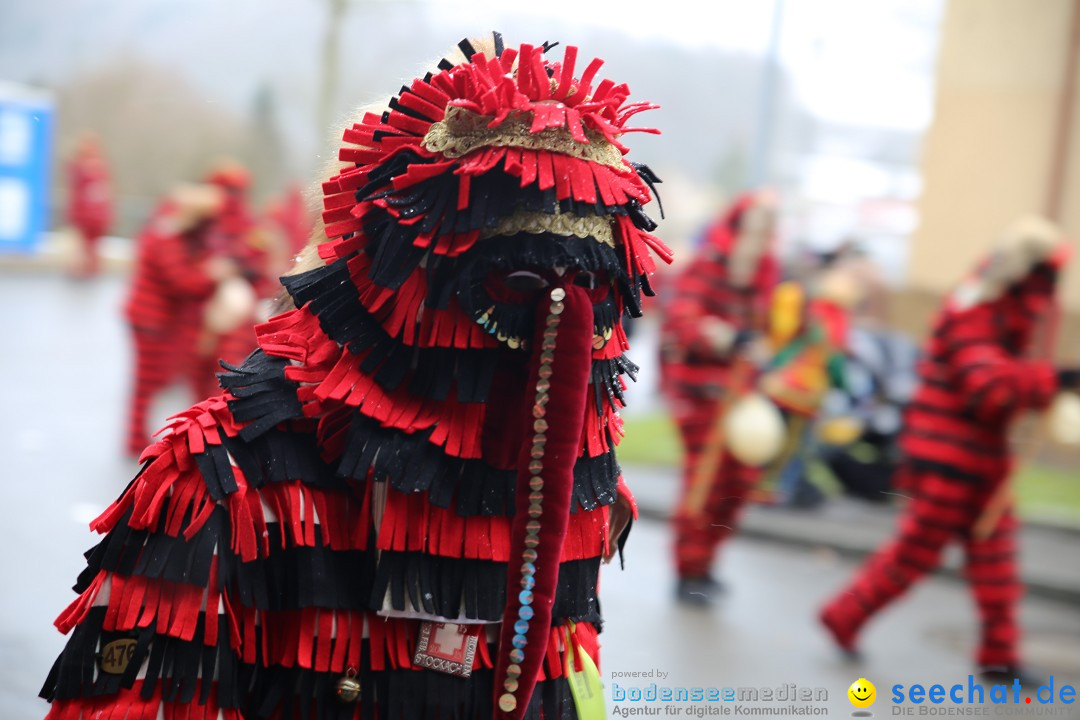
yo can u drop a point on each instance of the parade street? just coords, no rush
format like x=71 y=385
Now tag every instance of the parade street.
x=65 y=373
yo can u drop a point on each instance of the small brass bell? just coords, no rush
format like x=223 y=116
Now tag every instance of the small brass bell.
x=348 y=687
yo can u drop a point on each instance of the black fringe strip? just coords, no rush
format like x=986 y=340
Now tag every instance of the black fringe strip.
x=649 y=177
x=492 y=197
x=174 y=665
x=264 y=397
x=156 y=555
x=280 y=455
x=431 y=372
x=596 y=481
x=528 y=250
x=291 y=578
x=450 y=586
x=605 y=314
x=605 y=379
x=288 y=693
x=412 y=464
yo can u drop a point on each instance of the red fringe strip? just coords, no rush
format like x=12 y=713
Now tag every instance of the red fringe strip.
x=410 y=523
x=128 y=705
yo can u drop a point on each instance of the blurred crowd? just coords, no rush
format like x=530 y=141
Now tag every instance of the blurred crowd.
x=206 y=270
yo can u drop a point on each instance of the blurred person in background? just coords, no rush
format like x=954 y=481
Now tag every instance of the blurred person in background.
x=399 y=506
x=718 y=305
x=976 y=377
x=808 y=333
x=290 y=216
x=175 y=274
x=89 y=201
x=228 y=315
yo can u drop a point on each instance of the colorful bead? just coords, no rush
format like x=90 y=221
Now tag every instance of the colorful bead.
x=510 y=685
x=535 y=510
x=529 y=556
x=525 y=597
x=536 y=466
x=519 y=641
x=557 y=308
x=517 y=656
x=513 y=671
x=558 y=294
x=525 y=612
x=507 y=702
x=521 y=627
x=527 y=582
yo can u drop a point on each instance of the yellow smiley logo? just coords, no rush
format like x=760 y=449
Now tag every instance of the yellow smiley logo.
x=862 y=693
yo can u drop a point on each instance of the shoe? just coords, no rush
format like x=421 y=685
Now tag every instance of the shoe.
x=1005 y=674
x=697 y=591
x=842 y=637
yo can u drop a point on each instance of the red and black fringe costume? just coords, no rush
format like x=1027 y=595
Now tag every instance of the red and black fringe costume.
x=695 y=377
x=169 y=286
x=364 y=468
x=974 y=381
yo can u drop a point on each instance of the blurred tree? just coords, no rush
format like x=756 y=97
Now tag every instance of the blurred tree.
x=731 y=168
x=335 y=20
x=156 y=130
x=265 y=152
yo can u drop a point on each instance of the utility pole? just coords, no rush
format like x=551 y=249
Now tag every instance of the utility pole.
x=337 y=10
x=760 y=165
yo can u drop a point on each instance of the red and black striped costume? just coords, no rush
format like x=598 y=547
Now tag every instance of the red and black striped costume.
x=234 y=236
x=695 y=377
x=376 y=462
x=90 y=202
x=169 y=286
x=974 y=380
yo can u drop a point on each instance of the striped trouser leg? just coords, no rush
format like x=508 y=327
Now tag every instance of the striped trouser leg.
x=942 y=510
x=154 y=365
x=697 y=536
x=991 y=569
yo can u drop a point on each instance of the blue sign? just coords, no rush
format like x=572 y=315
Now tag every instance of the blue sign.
x=26 y=130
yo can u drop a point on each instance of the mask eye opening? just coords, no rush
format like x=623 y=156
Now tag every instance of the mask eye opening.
x=524 y=281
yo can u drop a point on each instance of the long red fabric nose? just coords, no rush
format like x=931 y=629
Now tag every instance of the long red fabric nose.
x=559 y=372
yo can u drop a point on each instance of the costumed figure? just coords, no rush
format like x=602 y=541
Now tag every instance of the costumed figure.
x=230 y=312
x=808 y=337
x=89 y=201
x=717 y=305
x=977 y=375
x=290 y=215
x=399 y=506
x=175 y=274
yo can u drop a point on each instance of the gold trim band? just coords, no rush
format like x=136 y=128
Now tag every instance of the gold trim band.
x=463 y=131
x=597 y=227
